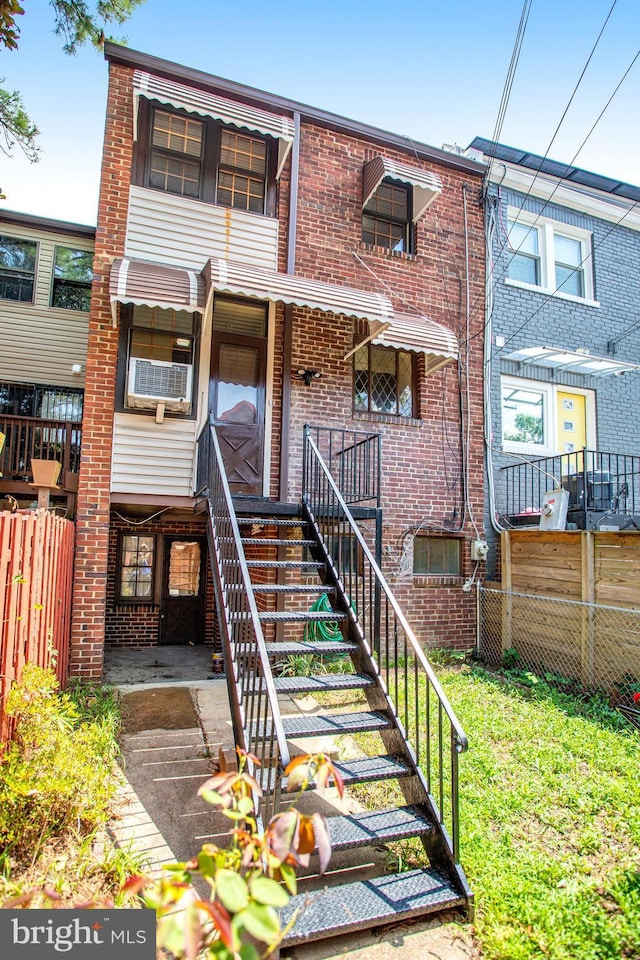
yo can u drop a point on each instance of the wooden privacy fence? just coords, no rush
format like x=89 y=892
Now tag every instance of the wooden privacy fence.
x=36 y=569
x=568 y=604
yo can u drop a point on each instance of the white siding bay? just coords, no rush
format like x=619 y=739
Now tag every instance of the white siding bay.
x=153 y=458
x=40 y=345
x=178 y=231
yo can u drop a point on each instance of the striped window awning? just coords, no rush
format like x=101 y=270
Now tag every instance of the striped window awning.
x=228 y=276
x=154 y=285
x=426 y=186
x=416 y=334
x=206 y=104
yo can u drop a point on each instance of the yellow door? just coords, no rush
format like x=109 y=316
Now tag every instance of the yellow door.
x=572 y=422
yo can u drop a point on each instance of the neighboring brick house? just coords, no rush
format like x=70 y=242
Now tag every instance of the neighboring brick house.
x=563 y=341
x=45 y=289
x=244 y=244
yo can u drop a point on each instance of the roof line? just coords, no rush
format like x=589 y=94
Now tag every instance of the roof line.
x=115 y=53
x=555 y=168
x=45 y=223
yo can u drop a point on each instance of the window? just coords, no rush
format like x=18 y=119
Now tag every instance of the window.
x=205 y=160
x=386 y=219
x=437 y=556
x=17 y=269
x=72 y=276
x=136 y=567
x=545 y=419
x=384 y=381
x=553 y=257
x=158 y=359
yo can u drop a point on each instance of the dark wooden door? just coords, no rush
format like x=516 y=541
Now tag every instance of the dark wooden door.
x=183 y=591
x=237 y=407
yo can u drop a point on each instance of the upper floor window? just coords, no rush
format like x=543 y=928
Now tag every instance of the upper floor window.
x=553 y=257
x=206 y=160
x=72 y=276
x=384 y=381
x=386 y=218
x=17 y=269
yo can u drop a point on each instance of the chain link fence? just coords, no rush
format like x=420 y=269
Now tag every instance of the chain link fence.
x=587 y=646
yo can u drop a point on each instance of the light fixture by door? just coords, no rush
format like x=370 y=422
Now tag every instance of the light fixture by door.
x=308 y=375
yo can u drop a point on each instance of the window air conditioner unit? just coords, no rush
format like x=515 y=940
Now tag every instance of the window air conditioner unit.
x=151 y=382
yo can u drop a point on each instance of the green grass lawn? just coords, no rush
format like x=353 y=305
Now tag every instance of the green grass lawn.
x=550 y=799
x=550 y=820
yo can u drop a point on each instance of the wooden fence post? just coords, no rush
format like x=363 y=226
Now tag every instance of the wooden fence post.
x=587 y=625
x=507 y=599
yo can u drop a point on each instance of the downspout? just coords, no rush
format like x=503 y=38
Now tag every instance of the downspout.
x=287 y=347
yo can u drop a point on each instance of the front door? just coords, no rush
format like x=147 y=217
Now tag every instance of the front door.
x=237 y=391
x=183 y=591
x=572 y=421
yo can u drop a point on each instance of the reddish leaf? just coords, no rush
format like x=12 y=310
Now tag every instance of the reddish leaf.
x=135 y=884
x=323 y=841
x=221 y=920
x=281 y=833
x=306 y=836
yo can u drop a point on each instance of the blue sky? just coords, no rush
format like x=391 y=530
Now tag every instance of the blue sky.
x=431 y=70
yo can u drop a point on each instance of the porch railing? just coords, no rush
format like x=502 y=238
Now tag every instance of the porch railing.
x=254 y=707
x=28 y=438
x=599 y=484
x=353 y=458
x=423 y=714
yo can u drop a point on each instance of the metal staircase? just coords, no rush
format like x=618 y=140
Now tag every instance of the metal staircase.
x=268 y=568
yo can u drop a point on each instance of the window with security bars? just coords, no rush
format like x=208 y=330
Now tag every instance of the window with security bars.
x=175 y=162
x=384 y=381
x=386 y=219
x=437 y=556
x=136 y=556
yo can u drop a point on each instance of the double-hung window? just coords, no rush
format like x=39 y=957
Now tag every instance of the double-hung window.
x=384 y=381
x=136 y=567
x=551 y=257
x=205 y=160
x=17 y=269
x=386 y=218
x=72 y=276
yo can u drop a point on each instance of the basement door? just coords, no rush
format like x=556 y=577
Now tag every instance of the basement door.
x=183 y=591
x=237 y=390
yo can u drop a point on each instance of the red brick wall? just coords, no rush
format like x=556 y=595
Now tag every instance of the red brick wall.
x=138 y=625
x=87 y=637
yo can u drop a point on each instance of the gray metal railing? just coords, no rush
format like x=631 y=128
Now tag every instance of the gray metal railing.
x=423 y=713
x=254 y=707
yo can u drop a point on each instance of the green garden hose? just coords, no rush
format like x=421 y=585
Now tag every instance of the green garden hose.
x=319 y=630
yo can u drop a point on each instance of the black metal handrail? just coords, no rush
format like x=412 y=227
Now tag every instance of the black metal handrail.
x=353 y=458
x=598 y=483
x=254 y=707
x=430 y=727
x=28 y=438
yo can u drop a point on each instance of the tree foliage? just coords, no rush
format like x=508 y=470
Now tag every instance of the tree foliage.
x=76 y=23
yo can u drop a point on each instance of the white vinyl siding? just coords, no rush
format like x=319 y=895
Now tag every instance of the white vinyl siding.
x=182 y=232
x=153 y=458
x=40 y=343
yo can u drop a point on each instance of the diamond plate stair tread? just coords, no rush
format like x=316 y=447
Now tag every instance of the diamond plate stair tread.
x=282 y=648
x=322 y=683
x=285 y=564
x=269 y=522
x=377 y=826
x=279 y=542
x=300 y=616
x=292 y=588
x=298 y=725
x=355 y=906
x=369 y=769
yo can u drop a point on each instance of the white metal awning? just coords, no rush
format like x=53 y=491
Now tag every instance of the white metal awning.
x=418 y=334
x=426 y=186
x=230 y=277
x=154 y=285
x=206 y=104
x=570 y=361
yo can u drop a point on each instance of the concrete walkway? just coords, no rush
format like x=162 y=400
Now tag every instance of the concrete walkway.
x=174 y=726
